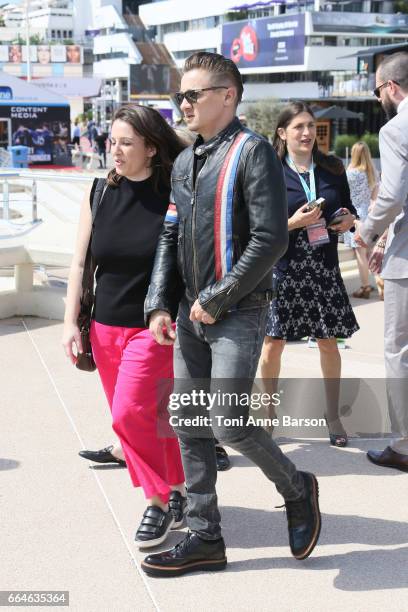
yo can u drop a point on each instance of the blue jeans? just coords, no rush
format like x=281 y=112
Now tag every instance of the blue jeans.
x=204 y=354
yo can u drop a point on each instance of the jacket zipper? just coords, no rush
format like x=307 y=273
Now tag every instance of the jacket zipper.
x=193 y=226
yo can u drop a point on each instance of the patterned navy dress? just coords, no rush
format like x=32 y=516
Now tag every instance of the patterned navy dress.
x=312 y=299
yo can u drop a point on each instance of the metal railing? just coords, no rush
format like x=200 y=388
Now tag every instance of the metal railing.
x=10 y=174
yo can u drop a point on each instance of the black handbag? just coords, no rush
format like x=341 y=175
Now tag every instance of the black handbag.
x=85 y=360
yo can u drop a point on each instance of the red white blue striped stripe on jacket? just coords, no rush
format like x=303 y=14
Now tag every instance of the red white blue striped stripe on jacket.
x=172 y=214
x=223 y=209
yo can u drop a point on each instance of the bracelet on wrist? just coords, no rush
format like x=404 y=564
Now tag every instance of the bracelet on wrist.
x=380 y=244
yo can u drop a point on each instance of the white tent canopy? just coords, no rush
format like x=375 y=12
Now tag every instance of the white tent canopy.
x=17 y=91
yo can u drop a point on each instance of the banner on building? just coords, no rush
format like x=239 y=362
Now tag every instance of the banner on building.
x=335 y=21
x=42 y=54
x=149 y=81
x=271 y=41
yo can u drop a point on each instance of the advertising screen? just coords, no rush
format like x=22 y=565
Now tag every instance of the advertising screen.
x=44 y=129
x=276 y=41
x=149 y=80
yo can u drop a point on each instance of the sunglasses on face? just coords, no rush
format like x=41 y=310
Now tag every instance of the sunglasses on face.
x=192 y=95
x=377 y=90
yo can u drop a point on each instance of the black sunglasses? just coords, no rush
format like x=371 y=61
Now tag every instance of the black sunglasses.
x=192 y=95
x=377 y=90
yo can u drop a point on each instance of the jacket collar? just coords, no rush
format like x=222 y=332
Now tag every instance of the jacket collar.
x=232 y=128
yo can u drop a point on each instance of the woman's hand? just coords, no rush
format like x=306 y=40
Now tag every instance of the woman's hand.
x=302 y=218
x=347 y=221
x=71 y=336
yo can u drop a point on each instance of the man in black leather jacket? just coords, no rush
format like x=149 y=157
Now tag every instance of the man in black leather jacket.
x=225 y=228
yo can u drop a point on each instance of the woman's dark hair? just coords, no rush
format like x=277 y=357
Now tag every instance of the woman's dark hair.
x=329 y=162
x=151 y=125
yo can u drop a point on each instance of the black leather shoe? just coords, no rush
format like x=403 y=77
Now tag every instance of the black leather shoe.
x=102 y=456
x=389 y=458
x=178 y=507
x=304 y=521
x=154 y=527
x=191 y=555
x=223 y=461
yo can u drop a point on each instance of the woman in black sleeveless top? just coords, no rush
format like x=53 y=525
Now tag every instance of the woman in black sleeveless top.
x=135 y=371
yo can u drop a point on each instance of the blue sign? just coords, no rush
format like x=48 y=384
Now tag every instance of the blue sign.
x=272 y=41
x=6 y=93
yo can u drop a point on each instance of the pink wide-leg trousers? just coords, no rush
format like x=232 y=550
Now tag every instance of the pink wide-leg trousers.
x=130 y=364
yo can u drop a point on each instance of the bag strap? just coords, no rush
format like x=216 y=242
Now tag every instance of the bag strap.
x=98 y=193
x=87 y=298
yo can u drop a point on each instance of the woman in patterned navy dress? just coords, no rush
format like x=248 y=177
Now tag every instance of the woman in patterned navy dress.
x=311 y=300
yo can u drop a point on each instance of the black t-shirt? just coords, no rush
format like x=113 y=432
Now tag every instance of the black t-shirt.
x=125 y=236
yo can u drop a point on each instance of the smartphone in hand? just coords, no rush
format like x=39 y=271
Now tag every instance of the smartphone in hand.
x=319 y=203
x=337 y=217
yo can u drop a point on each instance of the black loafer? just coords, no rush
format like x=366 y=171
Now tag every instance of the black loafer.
x=304 y=521
x=389 y=458
x=101 y=456
x=191 y=555
x=178 y=507
x=223 y=461
x=154 y=527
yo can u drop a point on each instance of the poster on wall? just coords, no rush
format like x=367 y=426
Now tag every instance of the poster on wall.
x=33 y=53
x=58 y=53
x=271 y=41
x=74 y=54
x=15 y=54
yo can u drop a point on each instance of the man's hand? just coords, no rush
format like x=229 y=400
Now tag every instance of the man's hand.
x=376 y=259
x=198 y=314
x=160 y=327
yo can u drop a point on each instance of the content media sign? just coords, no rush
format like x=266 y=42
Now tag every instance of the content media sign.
x=272 y=41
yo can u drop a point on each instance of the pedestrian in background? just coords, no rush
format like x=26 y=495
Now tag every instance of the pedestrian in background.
x=101 y=139
x=363 y=183
x=76 y=134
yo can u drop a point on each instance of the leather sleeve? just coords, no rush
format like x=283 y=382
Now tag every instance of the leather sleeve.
x=264 y=192
x=165 y=287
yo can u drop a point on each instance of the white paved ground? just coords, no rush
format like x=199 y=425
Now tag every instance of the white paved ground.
x=67 y=526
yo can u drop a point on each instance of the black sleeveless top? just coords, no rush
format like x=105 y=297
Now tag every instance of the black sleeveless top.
x=125 y=236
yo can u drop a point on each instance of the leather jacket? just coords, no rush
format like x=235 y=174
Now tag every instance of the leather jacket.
x=225 y=228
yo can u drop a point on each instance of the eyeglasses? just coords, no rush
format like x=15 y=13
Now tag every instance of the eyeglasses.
x=192 y=95
x=378 y=89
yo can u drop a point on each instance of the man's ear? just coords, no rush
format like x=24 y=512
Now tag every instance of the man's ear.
x=230 y=98
x=393 y=88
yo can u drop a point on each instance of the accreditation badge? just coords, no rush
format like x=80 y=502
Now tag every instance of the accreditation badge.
x=317 y=233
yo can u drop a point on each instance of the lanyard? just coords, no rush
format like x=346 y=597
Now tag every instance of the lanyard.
x=309 y=191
